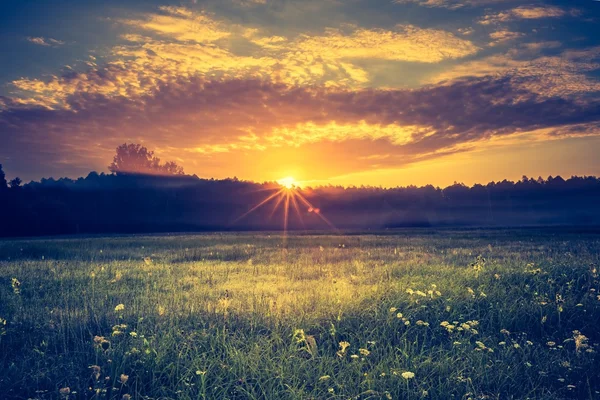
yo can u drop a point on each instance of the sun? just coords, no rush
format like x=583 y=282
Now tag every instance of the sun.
x=289 y=195
x=288 y=182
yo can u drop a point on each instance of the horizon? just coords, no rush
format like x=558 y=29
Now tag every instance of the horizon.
x=291 y=182
x=380 y=92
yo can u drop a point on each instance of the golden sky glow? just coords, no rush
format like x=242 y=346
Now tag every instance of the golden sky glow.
x=329 y=92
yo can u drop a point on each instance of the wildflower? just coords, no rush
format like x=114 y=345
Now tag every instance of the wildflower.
x=399 y=315
x=516 y=345
x=544 y=319
x=330 y=390
x=126 y=397
x=529 y=343
x=408 y=375
x=64 y=392
x=457 y=343
x=343 y=347
x=409 y=291
x=101 y=342
x=496 y=276
x=161 y=311
x=16 y=285
x=580 y=341
x=123 y=378
x=501 y=343
x=200 y=373
x=364 y=352
x=95 y=371
x=551 y=344
x=393 y=309
x=133 y=334
x=571 y=387
x=528 y=364
x=407 y=323
x=324 y=378
x=120 y=307
x=419 y=293
x=354 y=356
x=422 y=323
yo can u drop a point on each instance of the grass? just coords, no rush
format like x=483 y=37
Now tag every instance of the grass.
x=472 y=314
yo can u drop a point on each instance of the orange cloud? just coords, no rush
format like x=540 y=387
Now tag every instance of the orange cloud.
x=523 y=12
x=406 y=43
x=181 y=24
x=45 y=41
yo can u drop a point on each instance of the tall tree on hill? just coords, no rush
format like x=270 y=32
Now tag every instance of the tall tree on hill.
x=136 y=159
x=3 y=184
x=15 y=183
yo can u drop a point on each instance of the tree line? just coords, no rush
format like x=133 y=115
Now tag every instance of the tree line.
x=143 y=194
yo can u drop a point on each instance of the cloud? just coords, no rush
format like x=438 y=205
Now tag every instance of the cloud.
x=250 y=3
x=202 y=118
x=405 y=43
x=453 y=4
x=173 y=51
x=181 y=24
x=562 y=75
x=523 y=12
x=502 y=36
x=41 y=41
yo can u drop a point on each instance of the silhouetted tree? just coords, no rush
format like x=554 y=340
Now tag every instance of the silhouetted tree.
x=15 y=183
x=135 y=158
x=2 y=179
x=171 y=168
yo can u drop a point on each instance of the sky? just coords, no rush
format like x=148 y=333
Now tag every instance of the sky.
x=344 y=92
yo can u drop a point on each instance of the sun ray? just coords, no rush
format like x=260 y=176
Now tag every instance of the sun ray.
x=289 y=192
x=279 y=200
x=285 y=216
x=319 y=214
x=297 y=208
x=265 y=201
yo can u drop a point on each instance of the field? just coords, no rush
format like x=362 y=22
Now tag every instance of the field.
x=415 y=314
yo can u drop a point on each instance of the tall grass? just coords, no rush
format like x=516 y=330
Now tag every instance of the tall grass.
x=418 y=314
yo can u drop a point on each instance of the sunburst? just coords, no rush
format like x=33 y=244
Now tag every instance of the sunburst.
x=288 y=193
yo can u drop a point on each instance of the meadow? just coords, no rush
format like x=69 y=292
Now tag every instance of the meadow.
x=409 y=314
